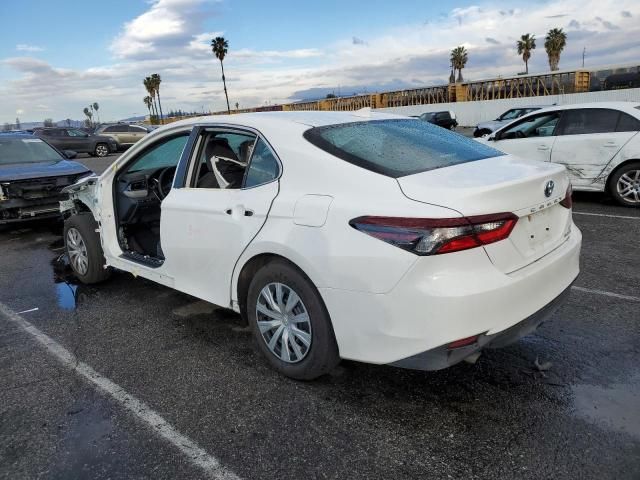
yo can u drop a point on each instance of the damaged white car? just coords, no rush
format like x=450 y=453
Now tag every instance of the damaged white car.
x=598 y=143
x=363 y=236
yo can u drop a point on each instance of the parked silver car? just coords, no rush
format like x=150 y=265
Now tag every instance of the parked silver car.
x=125 y=134
x=485 y=128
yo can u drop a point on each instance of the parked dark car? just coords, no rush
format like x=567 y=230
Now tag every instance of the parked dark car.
x=32 y=175
x=64 y=138
x=444 y=119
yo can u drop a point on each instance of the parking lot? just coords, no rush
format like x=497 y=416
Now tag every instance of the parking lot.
x=129 y=379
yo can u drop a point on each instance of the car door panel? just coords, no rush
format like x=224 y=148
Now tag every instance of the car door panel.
x=588 y=139
x=204 y=231
x=532 y=137
x=538 y=148
x=586 y=156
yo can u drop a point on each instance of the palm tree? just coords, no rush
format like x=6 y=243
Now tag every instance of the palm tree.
x=554 y=43
x=96 y=107
x=148 y=84
x=459 y=58
x=89 y=114
x=526 y=43
x=155 y=78
x=147 y=101
x=219 y=47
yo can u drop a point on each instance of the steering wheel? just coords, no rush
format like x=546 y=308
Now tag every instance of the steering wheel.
x=165 y=182
x=520 y=134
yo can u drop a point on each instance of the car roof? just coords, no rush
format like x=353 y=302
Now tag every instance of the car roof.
x=624 y=106
x=313 y=118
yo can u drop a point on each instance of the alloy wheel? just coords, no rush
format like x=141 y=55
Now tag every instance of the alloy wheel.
x=77 y=251
x=284 y=322
x=628 y=186
x=102 y=151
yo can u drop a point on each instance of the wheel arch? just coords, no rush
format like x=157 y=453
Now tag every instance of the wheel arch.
x=250 y=267
x=607 y=184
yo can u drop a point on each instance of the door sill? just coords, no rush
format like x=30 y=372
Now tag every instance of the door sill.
x=145 y=260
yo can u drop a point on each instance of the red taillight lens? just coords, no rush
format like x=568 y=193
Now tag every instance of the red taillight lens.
x=463 y=342
x=432 y=236
x=567 y=201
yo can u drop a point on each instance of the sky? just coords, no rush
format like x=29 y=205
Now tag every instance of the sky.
x=56 y=57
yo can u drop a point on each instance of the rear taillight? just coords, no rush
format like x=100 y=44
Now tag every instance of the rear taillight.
x=567 y=201
x=463 y=342
x=433 y=236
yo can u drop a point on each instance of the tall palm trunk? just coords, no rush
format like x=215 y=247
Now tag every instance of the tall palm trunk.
x=160 y=104
x=224 y=83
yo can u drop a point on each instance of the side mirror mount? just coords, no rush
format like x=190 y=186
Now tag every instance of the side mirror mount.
x=70 y=154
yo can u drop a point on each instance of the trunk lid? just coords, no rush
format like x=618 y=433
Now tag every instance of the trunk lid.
x=502 y=184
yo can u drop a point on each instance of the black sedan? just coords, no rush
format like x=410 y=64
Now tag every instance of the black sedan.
x=32 y=175
x=443 y=119
x=78 y=141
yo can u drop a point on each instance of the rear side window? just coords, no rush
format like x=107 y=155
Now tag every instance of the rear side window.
x=588 y=120
x=263 y=167
x=397 y=147
x=627 y=123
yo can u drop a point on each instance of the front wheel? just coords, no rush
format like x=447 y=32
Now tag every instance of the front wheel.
x=102 y=150
x=84 y=250
x=625 y=185
x=290 y=322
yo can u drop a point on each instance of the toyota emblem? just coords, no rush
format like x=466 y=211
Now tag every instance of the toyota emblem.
x=548 y=188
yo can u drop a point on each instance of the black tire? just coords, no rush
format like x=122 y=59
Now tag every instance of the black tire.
x=101 y=150
x=614 y=189
x=86 y=226
x=322 y=355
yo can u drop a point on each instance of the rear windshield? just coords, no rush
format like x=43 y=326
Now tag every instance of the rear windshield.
x=26 y=150
x=398 y=147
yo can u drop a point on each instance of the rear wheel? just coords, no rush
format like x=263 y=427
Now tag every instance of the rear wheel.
x=83 y=247
x=102 y=150
x=290 y=322
x=624 y=185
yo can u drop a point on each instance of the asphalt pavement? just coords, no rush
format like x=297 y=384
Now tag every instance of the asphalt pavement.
x=181 y=391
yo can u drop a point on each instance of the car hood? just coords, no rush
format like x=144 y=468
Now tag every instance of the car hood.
x=492 y=125
x=24 y=171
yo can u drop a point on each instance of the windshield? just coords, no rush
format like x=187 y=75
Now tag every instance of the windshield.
x=26 y=150
x=398 y=147
x=516 y=113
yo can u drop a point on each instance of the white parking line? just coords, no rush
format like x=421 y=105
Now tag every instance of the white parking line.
x=194 y=453
x=607 y=294
x=606 y=215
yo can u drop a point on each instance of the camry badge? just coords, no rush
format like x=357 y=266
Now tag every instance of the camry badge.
x=548 y=188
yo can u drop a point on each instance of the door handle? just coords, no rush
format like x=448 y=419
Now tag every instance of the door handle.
x=239 y=210
x=543 y=147
x=610 y=144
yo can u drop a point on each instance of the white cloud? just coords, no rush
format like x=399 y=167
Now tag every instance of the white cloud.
x=171 y=38
x=24 y=47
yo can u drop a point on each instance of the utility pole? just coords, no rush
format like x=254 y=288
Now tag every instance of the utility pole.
x=584 y=51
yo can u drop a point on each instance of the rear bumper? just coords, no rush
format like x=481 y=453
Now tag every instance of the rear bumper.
x=445 y=298
x=441 y=357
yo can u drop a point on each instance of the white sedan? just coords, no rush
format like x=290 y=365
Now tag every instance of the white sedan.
x=598 y=143
x=362 y=236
